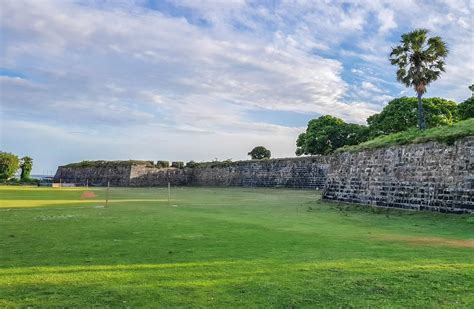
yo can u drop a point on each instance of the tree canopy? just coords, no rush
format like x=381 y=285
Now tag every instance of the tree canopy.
x=8 y=165
x=259 y=153
x=466 y=109
x=420 y=61
x=26 y=165
x=401 y=114
x=327 y=133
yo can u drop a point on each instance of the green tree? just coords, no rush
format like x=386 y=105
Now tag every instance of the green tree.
x=420 y=61
x=466 y=109
x=327 y=133
x=26 y=165
x=259 y=153
x=8 y=165
x=401 y=114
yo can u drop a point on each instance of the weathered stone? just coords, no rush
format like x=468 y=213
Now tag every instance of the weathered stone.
x=430 y=176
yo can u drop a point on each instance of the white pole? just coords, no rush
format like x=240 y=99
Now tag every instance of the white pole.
x=107 y=194
x=169 y=193
x=87 y=183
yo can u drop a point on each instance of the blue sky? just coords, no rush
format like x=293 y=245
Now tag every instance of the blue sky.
x=196 y=79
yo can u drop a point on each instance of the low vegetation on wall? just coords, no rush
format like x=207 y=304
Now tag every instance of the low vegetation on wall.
x=445 y=134
x=110 y=164
x=162 y=164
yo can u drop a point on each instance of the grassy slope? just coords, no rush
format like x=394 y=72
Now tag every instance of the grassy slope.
x=229 y=247
x=446 y=134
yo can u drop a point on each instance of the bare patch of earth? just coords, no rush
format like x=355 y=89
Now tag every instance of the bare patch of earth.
x=88 y=194
x=434 y=241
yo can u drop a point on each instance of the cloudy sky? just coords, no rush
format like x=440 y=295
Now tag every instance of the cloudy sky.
x=197 y=79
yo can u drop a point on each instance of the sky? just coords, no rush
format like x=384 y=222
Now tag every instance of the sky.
x=204 y=80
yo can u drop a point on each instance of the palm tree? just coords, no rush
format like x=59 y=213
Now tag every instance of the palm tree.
x=26 y=166
x=420 y=61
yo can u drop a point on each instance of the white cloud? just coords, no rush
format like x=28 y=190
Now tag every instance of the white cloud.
x=386 y=20
x=370 y=87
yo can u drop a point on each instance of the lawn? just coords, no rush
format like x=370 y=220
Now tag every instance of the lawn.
x=226 y=247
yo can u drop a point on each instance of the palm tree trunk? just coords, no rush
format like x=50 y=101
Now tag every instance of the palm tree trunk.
x=421 y=113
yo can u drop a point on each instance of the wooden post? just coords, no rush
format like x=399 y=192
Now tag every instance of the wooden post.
x=107 y=194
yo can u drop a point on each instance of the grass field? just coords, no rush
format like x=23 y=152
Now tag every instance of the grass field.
x=224 y=248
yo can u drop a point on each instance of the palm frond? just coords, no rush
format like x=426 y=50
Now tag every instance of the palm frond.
x=420 y=59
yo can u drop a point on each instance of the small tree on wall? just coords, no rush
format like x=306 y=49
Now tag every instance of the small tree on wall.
x=26 y=166
x=327 y=133
x=259 y=153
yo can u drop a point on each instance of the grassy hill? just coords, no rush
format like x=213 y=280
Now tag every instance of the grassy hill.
x=446 y=134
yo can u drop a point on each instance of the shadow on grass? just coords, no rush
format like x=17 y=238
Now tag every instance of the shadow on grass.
x=241 y=283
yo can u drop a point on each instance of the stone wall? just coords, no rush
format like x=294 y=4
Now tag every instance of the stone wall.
x=306 y=172
x=429 y=176
x=143 y=176
x=98 y=176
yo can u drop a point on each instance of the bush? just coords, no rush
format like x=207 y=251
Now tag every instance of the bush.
x=162 y=164
x=259 y=153
x=9 y=164
x=466 y=109
x=192 y=164
x=177 y=164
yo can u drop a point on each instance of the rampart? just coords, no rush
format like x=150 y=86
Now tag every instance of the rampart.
x=431 y=176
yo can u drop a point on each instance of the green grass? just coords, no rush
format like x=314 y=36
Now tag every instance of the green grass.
x=222 y=248
x=445 y=134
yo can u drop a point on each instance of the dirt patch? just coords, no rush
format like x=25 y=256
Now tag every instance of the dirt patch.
x=433 y=241
x=88 y=194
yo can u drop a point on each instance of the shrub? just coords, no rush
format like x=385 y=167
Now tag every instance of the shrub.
x=259 y=153
x=162 y=164
x=177 y=164
x=9 y=164
x=192 y=164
